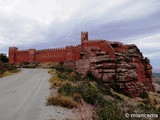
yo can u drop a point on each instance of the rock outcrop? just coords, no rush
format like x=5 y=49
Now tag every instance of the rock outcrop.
x=128 y=69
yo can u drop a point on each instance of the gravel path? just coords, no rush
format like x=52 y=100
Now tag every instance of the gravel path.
x=23 y=97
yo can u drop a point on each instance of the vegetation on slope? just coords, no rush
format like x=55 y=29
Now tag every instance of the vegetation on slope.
x=5 y=67
x=73 y=88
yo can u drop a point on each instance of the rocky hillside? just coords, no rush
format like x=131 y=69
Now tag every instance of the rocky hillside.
x=90 y=99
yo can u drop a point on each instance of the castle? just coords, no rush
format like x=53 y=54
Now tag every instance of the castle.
x=107 y=60
x=59 y=54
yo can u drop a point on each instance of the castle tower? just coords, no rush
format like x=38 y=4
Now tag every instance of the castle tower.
x=32 y=55
x=84 y=37
x=12 y=53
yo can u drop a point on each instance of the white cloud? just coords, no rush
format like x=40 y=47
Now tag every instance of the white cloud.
x=148 y=41
x=153 y=56
x=49 y=11
x=138 y=9
x=26 y=22
x=149 y=44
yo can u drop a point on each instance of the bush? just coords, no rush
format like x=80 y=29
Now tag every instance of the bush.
x=108 y=111
x=74 y=76
x=63 y=101
x=144 y=95
x=7 y=67
x=62 y=68
x=10 y=67
x=78 y=75
x=77 y=97
x=90 y=94
x=3 y=58
x=62 y=75
x=67 y=89
x=55 y=82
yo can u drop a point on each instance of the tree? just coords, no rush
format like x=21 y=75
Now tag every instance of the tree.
x=3 y=58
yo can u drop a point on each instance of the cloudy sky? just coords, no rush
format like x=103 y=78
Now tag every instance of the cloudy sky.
x=56 y=23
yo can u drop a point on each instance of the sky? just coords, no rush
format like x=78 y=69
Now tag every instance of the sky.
x=44 y=24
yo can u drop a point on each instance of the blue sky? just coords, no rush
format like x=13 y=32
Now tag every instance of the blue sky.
x=56 y=23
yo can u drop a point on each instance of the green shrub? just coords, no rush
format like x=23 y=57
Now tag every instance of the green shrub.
x=107 y=110
x=62 y=68
x=78 y=75
x=75 y=76
x=62 y=75
x=67 y=89
x=144 y=95
x=56 y=83
x=10 y=67
x=3 y=58
x=7 y=67
x=89 y=93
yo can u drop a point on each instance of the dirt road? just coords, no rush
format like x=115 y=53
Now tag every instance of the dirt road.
x=23 y=96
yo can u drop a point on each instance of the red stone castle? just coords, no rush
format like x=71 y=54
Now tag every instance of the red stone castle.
x=107 y=60
x=59 y=54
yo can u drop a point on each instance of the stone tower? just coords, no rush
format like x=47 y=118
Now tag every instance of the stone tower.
x=12 y=52
x=84 y=37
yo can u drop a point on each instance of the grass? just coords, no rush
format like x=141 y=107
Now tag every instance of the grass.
x=55 y=81
x=64 y=101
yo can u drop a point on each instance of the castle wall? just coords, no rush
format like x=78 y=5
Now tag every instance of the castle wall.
x=21 y=56
x=50 y=56
x=47 y=55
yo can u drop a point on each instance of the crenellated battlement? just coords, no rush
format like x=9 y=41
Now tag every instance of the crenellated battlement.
x=23 y=51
